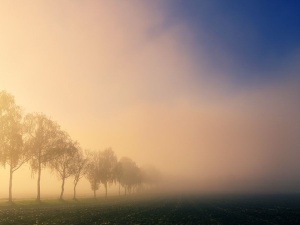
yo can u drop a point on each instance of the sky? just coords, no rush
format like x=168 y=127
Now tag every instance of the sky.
x=207 y=91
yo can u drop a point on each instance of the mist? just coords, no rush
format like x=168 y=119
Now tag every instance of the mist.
x=128 y=76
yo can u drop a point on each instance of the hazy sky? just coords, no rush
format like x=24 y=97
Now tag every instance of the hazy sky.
x=205 y=90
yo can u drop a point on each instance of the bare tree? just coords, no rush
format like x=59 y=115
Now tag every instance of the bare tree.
x=92 y=172
x=78 y=168
x=42 y=135
x=12 y=151
x=64 y=160
x=108 y=162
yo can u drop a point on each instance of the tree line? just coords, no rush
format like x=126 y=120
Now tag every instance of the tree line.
x=37 y=140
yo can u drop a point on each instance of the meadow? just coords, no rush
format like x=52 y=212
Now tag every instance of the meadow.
x=156 y=210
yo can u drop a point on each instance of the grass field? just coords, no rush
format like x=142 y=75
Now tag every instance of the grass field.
x=156 y=210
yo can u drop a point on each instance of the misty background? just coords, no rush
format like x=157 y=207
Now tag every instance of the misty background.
x=201 y=90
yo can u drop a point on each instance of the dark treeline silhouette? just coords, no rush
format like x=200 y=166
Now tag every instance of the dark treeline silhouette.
x=39 y=141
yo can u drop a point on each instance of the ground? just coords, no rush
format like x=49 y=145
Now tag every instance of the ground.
x=156 y=210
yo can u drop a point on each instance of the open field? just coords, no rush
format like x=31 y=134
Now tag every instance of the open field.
x=156 y=210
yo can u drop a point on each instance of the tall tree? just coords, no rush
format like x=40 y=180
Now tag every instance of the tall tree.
x=63 y=163
x=107 y=164
x=92 y=172
x=12 y=151
x=78 y=169
x=42 y=136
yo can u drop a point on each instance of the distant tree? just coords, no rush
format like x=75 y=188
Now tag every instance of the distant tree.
x=63 y=163
x=92 y=170
x=130 y=176
x=12 y=151
x=42 y=136
x=78 y=168
x=150 y=175
x=118 y=174
x=107 y=164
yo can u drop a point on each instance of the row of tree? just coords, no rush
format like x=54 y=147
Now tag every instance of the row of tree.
x=40 y=141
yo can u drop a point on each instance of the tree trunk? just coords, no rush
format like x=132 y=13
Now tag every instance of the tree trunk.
x=94 y=194
x=119 y=190
x=75 y=184
x=105 y=185
x=38 y=197
x=62 y=189
x=10 y=184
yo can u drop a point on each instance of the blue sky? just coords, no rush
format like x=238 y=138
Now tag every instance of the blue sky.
x=258 y=35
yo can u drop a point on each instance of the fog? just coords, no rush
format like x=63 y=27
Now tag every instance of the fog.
x=124 y=75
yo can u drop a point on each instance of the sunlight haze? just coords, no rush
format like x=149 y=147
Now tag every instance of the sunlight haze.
x=133 y=76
